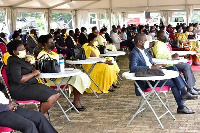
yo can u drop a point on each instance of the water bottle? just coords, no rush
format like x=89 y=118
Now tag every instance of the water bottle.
x=62 y=65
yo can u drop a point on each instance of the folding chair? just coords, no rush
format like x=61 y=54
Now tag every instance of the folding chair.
x=5 y=130
x=20 y=102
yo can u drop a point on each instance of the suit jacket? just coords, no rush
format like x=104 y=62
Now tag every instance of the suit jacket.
x=137 y=61
x=83 y=39
x=69 y=43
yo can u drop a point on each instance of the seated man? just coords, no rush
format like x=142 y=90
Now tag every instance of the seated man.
x=24 y=120
x=141 y=59
x=162 y=51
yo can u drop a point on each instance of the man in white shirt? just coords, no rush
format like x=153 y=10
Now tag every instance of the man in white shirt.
x=20 y=119
x=116 y=39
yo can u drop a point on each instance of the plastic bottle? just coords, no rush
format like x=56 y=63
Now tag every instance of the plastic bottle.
x=62 y=64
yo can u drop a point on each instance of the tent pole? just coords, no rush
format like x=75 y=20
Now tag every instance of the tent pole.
x=110 y=14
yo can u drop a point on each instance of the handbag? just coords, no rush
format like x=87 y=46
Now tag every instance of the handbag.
x=191 y=36
x=102 y=49
x=149 y=72
x=47 y=65
x=79 y=54
x=174 y=44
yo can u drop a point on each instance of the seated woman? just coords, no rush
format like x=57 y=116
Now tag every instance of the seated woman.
x=78 y=83
x=22 y=81
x=23 y=120
x=102 y=41
x=183 y=41
x=104 y=74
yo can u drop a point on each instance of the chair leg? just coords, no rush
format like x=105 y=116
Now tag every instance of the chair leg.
x=166 y=100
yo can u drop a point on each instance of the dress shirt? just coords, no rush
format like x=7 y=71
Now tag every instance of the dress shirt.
x=146 y=58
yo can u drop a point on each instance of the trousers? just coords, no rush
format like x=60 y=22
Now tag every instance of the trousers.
x=185 y=68
x=26 y=121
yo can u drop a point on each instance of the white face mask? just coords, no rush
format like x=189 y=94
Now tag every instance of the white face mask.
x=22 y=54
x=85 y=31
x=153 y=34
x=181 y=30
x=95 y=31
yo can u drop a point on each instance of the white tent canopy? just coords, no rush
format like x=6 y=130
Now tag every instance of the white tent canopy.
x=81 y=8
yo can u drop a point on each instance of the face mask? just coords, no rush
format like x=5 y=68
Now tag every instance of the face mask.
x=181 y=31
x=164 y=40
x=85 y=31
x=95 y=31
x=52 y=46
x=22 y=54
x=153 y=34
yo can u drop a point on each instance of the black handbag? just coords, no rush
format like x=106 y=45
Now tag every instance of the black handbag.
x=47 y=65
x=191 y=36
x=149 y=72
x=79 y=54
x=102 y=49
x=174 y=44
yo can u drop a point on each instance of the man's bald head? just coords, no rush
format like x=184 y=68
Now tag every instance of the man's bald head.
x=161 y=36
x=140 y=39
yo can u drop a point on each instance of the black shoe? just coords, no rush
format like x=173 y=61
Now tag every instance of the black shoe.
x=188 y=96
x=193 y=92
x=111 y=90
x=185 y=110
x=115 y=86
x=80 y=109
x=196 y=89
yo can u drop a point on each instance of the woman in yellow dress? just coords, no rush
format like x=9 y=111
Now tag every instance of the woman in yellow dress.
x=104 y=74
x=77 y=83
x=183 y=41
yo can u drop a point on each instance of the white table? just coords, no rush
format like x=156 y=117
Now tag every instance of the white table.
x=192 y=39
x=68 y=73
x=168 y=75
x=113 y=53
x=169 y=61
x=183 y=53
x=92 y=61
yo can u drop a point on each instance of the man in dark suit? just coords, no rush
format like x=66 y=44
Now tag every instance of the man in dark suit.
x=141 y=59
x=70 y=43
x=83 y=38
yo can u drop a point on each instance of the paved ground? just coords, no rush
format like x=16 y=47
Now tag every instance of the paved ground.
x=111 y=112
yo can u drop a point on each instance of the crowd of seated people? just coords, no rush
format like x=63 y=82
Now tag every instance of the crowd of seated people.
x=22 y=74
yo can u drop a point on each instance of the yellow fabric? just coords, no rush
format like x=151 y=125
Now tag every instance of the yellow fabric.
x=103 y=74
x=80 y=82
x=5 y=57
x=65 y=35
x=162 y=51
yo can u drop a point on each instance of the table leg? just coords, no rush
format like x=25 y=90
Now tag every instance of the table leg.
x=88 y=73
x=66 y=97
x=145 y=101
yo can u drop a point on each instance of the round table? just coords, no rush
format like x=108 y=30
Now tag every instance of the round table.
x=67 y=73
x=87 y=61
x=169 y=61
x=113 y=53
x=63 y=75
x=169 y=74
x=183 y=53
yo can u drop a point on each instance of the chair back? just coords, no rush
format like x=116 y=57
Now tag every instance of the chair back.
x=3 y=47
x=5 y=129
x=5 y=81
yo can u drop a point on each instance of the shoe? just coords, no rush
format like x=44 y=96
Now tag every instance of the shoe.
x=196 y=89
x=196 y=63
x=193 y=92
x=185 y=110
x=111 y=90
x=188 y=96
x=115 y=86
x=80 y=109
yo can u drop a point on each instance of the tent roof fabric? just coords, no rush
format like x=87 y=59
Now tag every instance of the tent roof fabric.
x=116 y=5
